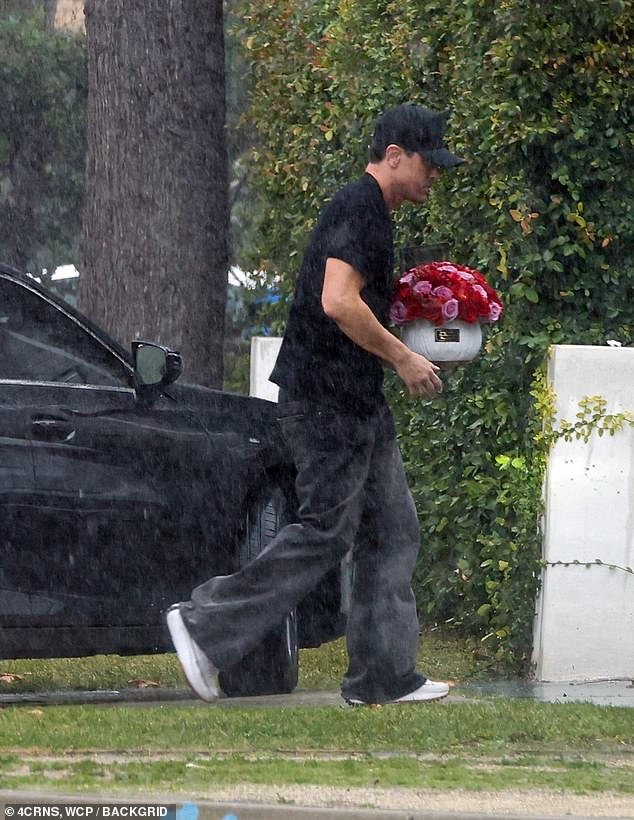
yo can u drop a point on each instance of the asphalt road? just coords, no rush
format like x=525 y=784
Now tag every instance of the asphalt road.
x=18 y=805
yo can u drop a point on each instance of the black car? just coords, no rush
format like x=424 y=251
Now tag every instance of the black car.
x=120 y=491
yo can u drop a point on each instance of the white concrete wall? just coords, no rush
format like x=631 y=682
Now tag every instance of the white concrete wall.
x=585 y=614
x=264 y=350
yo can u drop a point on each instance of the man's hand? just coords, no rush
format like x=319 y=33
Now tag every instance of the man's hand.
x=420 y=375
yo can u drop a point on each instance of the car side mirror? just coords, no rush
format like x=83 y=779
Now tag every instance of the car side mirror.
x=154 y=368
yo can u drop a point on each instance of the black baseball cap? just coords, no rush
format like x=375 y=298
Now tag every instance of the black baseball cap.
x=414 y=128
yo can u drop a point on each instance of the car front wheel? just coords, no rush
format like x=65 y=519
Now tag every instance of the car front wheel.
x=272 y=667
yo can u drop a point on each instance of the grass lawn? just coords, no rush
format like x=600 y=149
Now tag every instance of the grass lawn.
x=190 y=747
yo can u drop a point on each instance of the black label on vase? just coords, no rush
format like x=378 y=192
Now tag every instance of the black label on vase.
x=447 y=334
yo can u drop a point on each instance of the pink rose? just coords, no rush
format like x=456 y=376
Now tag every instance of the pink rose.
x=495 y=312
x=423 y=288
x=398 y=313
x=468 y=277
x=443 y=293
x=450 y=310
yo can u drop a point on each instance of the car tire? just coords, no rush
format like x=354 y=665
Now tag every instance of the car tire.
x=273 y=666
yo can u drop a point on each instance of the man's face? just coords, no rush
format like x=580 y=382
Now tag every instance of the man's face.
x=416 y=176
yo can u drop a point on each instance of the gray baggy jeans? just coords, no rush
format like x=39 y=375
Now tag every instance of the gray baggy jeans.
x=352 y=492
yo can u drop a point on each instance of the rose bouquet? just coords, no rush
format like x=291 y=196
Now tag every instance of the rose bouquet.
x=442 y=292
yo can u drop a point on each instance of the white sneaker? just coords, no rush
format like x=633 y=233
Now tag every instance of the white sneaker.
x=200 y=672
x=430 y=690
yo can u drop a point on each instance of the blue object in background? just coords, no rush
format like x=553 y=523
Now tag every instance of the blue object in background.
x=188 y=811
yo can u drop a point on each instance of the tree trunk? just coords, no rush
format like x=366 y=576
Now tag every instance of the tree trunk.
x=154 y=260
x=50 y=9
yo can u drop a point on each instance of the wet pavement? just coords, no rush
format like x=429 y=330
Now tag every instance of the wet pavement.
x=599 y=693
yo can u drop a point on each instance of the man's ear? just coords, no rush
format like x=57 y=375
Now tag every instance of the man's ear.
x=393 y=155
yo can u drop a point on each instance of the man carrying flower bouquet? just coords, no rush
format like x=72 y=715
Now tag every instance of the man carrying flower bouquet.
x=351 y=485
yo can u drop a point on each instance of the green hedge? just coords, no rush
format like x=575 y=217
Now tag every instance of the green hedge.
x=539 y=101
x=42 y=142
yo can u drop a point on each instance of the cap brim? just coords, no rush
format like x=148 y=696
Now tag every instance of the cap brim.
x=442 y=157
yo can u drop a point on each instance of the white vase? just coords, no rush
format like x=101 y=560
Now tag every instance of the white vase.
x=455 y=341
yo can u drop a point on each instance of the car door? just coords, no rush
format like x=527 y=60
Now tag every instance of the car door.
x=17 y=492
x=114 y=489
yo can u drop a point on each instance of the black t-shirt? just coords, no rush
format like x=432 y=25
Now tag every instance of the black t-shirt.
x=317 y=361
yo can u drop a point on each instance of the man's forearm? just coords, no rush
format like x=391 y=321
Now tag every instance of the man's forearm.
x=342 y=302
x=360 y=325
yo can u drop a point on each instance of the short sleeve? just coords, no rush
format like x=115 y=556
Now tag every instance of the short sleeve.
x=351 y=237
